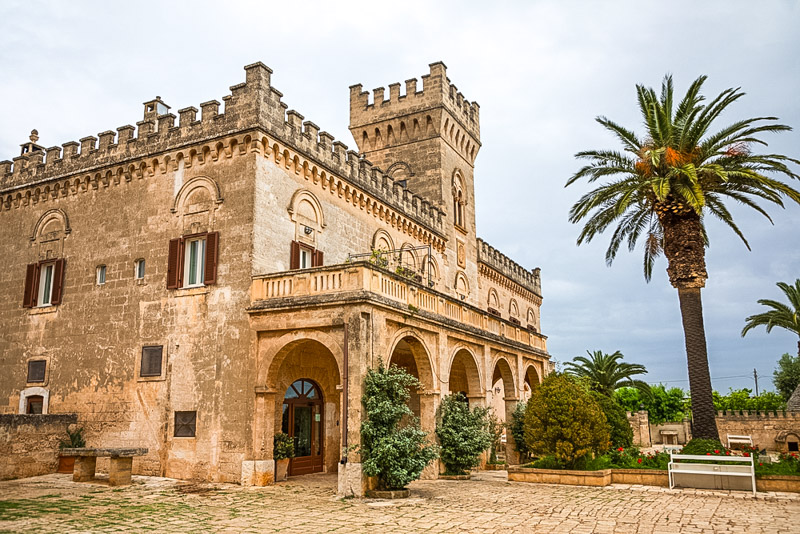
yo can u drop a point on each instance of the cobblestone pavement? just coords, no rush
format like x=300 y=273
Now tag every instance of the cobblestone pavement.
x=53 y=503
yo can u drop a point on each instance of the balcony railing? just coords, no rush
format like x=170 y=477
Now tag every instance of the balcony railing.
x=364 y=276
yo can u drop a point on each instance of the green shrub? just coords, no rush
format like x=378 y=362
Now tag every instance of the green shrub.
x=75 y=440
x=463 y=433
x=618 y=425
x=496 y=431
x=563 y=420
x=546 y=462
x=394 y=454
x=704 y=446
x=787 y=464
x=517 y=429
x=282 y=446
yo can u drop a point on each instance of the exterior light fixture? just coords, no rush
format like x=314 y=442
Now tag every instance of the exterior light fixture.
x=307 y=230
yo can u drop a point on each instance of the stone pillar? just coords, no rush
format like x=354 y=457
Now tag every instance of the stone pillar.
x=351 y=481
x=644 y=429
x=512 y=456
x=119 y=472
x=260 y=471
x=428 y=401
x=84 y=468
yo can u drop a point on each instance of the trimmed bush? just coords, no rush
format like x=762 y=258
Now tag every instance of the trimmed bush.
x=396 y=454
x=463 y=433
x=704 y=446
x=282 y=446
x=618 y=425
x=517 y=429
x=564 y=421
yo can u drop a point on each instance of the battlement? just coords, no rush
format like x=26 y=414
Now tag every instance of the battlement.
x=252 y=105
x=437 y=91
x=530 y=280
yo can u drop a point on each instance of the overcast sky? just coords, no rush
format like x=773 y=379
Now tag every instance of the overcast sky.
x=541 y=72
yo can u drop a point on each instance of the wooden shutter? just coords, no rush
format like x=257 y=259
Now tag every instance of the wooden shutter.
x=58 y=282
x=173 y=263
x=36 y=370
x=151 y=361
x=31 y=276
x=212 y=255
x=294 y=257
x=185 y=424
x=317 y=259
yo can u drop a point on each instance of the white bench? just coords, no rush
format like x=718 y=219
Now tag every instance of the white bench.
x=688 y=464
x=739 y=440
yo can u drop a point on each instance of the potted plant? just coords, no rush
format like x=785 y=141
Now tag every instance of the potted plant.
x=66 y=464
x=282 y=452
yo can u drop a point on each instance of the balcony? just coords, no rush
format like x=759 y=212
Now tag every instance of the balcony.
x=364 y=277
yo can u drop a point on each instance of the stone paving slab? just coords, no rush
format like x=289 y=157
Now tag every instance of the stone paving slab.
x=488 y=503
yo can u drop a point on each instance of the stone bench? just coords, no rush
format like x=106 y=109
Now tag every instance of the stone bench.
x=119 y=474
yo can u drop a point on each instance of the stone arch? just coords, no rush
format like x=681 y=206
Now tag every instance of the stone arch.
x=408 y=256
x=531 y=317
x=513 y=308
x=493 y=300
x=408 y=343
x=400 y=170
x=273 y=353
x=502 y=370
x=52 y=221
x=306 y=209
x=459 y=198
x=461 y=285
x=530 y=380
x=429 y=262
x=464 y=373
x=382 y=241
x=206 y=189
x=34 y=392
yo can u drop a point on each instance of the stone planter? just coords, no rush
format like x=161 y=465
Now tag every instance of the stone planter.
x=454 y=477
x=786 y=483
x=388 y=494
x=66 y=464
x=281 y=469
x=644 y=477
x=559 y=476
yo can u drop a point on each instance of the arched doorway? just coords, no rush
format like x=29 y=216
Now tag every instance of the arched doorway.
x=303 y=420
x=410 y=354
x=464 y=377
x=530 y=383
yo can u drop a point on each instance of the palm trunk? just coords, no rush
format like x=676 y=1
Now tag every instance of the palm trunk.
x=703 y=411
x=684 y=247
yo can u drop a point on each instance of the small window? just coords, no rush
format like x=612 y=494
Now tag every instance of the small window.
x=194 y=261
x=36 y=370
x=34 y=405
x=185 y=424
x=138 y=269
x=46 y=284
x=305 y=258
x=151 y=361
x=793 y=446
x=101 y=275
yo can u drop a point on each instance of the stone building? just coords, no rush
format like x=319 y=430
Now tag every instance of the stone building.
x=194 y=286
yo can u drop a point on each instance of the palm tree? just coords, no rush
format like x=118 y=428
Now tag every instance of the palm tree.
x=606 y=373
x=664 y=184
x=781 y=315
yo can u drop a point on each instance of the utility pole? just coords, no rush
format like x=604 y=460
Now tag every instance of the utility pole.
x=755 y=377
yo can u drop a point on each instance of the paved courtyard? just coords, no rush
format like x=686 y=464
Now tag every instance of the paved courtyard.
x=53 y=503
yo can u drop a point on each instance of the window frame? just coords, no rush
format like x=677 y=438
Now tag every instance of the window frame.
x=139 y=269
x=191 y=424
x=178 y=262
x=142 y=361
x=102 y=272
x=31 y=364
x=199 y=263
x=35 y=290
x=44 y=286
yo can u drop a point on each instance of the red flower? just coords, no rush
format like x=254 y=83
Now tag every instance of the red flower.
x=639 y=460
x=621 y=449
x=759 y=463
x=716 y=451
x=747 y=454
x=727 y=453
x=708 y=454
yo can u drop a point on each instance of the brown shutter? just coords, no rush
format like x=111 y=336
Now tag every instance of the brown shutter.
x=58 y=282
x=317 y=258
x=294 y=258
x=212 y=255
x=173 y=263
x=29 y=295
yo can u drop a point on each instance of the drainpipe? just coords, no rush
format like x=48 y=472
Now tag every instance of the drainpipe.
x=346 y=391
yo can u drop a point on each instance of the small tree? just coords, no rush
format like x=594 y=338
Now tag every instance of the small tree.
x=563 y=420
x=282 y=446
x=517 y=429
x=396 y=454
x=463 y=433
x=496 y=431
x=786 y=376
x=620 y=429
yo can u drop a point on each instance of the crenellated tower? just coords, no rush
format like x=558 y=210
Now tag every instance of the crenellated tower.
x=422 y=136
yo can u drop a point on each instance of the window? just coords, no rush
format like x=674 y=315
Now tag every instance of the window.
x=101 y=275
x=34 y=405
x=151 y=361
x=303 y=257
x=43 y=284
x=192 y=260
x=138 y=269
x=185 y=424
x=36 y=370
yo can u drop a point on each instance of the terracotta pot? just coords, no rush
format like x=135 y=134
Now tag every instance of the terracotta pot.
x=281 y=469
x=66 y=464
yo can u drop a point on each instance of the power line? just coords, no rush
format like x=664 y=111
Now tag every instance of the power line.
x=712 y=378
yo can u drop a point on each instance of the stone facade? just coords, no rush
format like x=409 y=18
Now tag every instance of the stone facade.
x=177 y=282
x=29 y=443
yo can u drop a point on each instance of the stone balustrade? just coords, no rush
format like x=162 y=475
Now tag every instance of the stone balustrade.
x=368 y=278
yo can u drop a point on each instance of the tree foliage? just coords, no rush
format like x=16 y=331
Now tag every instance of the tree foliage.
x=463 y=433
x=786 y=376
x=605 y=372
x=663 y=405
x=786 y=316
x=517 y=429
x=564 y=421
x=395 y=453
x=743 y=399
x=620 y=430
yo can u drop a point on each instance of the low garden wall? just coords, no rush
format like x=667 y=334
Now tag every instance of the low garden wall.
x=644 y=477
x=29 y=443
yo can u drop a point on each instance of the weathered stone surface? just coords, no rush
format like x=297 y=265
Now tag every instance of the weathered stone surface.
x=29 y=443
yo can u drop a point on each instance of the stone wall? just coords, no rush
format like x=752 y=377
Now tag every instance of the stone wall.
x=29 y=443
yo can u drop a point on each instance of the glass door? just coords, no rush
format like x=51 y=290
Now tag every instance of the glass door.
x=302 y=420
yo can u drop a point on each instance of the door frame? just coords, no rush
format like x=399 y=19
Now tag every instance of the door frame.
x=313 y=463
